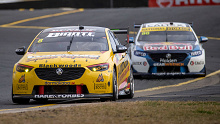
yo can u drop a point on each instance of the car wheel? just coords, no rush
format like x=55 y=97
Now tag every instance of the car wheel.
x=115 y=86
x=204 y=72
x=131 y=90
x=19 y=100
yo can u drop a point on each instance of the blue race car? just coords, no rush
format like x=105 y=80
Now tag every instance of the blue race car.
x=167 y=48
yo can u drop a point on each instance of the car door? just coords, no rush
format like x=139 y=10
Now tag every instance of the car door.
x=121 y=60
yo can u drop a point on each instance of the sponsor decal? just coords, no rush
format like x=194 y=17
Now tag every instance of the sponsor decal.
x=100 y=86
x=34 y=58
x=22 y=87
x=140 y=63
x=145 y=63
x=168 y=64
x=58 y=66
x=22 y=79
x=123 y=84
x=162 y=60
x=196 y=53
x=122 y=66
x=176 y=3
x=59 y=83
x=197 y=63
x=167 y=47
x=73 y=30
x=140 y=53
x=148 y=29
x=169 y=73
x=71 y=34
x=191 y=63
x=124 y=73
x=100 y=78
x=137 y=63
x=60 y=96
x=164 y=25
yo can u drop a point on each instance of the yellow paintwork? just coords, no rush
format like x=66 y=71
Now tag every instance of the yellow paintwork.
x=64 y=58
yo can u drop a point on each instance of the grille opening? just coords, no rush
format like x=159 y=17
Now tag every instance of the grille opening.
x=51 y=75
x=168 y=69
x=157 y=56
x=60 y=89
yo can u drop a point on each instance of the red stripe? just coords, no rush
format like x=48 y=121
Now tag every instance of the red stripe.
x=41 y=90
x=78 y=89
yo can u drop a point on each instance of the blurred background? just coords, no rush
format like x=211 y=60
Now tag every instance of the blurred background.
x=40 y=4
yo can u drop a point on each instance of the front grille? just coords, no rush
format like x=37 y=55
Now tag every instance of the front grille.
x=60 y=89
x=168 y=69
x=51 y=75
x=157 y=56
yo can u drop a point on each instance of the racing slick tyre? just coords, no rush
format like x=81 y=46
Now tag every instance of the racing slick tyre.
x=19 y=101
x=131 y=90
x=115 y=86
x=204 y=72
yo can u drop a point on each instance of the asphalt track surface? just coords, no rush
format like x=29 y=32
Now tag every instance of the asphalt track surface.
x=18 y=28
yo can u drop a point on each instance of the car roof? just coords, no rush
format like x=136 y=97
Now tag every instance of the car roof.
x=75 y=28
x=165 y=24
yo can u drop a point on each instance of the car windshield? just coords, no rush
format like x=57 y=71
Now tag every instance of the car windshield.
x=59 y=41
x=166 y=34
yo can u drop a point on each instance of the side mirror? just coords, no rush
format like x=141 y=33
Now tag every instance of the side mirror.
x=203 y=39
x=20 y=51
x=121 y=49
x=131 y=39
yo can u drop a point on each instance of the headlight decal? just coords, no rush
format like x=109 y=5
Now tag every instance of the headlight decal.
x=23 y=68
x=99 y=67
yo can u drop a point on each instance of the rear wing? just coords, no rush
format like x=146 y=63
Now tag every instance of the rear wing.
x=122 y=31
x=137 y=25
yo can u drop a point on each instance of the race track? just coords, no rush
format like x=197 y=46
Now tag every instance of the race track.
x=18 y=28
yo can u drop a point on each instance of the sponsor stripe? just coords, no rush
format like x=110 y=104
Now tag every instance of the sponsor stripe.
x=179 y=84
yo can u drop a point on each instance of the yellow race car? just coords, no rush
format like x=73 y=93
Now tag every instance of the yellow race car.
x=73 y=62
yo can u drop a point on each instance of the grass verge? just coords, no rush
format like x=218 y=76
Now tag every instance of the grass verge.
x=141 y=112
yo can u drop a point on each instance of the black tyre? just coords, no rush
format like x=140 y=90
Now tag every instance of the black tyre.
x=131 y=90
x=115 y=86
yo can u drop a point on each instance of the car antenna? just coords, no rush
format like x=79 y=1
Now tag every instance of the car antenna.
x=68 y=47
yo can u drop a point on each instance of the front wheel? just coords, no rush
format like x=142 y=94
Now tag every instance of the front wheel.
x=131 y=90
x=115 y=86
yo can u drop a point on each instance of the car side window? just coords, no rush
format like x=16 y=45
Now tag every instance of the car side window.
x=116 y=39
x=112 y=40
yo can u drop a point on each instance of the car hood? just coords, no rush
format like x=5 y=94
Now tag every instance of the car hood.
x=64 y=59
x=156 y=47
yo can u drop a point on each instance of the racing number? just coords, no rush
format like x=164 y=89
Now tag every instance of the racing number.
x=146 y=33
x=40 y=41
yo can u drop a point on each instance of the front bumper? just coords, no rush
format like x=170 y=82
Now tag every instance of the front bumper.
x=62 y=96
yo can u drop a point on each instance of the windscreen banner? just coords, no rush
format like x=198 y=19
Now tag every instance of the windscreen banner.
x=176 y=3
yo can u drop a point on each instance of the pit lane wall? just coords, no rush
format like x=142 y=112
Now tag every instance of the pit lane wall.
x=177 y=3
x=40 y=4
